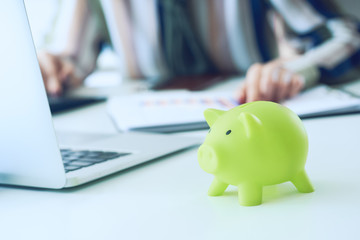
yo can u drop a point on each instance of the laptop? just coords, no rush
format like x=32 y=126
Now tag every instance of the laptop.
x=30 y=154
x=60 y=104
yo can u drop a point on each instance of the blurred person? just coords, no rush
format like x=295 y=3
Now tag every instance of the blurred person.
x=284 y=45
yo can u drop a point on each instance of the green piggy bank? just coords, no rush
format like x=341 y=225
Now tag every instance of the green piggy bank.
x=254 y=145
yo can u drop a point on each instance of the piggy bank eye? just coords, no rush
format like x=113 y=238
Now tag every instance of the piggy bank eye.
x=228 y=132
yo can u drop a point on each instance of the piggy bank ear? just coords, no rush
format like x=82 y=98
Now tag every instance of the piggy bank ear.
x=250 y=123
x=211 y=115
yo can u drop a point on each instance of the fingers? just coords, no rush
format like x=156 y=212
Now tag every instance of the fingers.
x=53 y=86
x=269 y=82
x=290 y=84
x=297 y=85
x=283 y=86
x=51 y=69
x=253 y=83
x=240 y=93
x=68 y=76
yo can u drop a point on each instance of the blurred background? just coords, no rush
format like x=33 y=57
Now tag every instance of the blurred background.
x=42 y=23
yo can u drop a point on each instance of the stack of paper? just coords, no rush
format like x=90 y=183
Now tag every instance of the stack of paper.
x=323 y=101
x=183 y=110
x=166 y=112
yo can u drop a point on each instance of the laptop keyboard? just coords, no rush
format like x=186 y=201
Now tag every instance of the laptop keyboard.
x=74 y=160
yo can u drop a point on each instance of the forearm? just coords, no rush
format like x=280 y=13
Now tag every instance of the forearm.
x=77 y=36
x=326 y=40
x=322 y=61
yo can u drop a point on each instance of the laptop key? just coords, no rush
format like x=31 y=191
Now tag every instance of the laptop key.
x=74 y=160
x=70 y=158
x=93 y=160
x=71 y=168
x=102 y=158
x=118 y=155
x=80 y=163
x=112 y=155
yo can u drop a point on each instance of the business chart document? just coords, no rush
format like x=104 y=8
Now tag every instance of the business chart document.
x=183 y=110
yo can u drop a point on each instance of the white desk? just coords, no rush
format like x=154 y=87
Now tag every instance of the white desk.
x=166 y=199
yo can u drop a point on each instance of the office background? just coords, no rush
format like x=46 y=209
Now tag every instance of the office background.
x=167 y=198
x=43 y=22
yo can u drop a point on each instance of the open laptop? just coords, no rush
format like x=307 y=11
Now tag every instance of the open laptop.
x=29 y=150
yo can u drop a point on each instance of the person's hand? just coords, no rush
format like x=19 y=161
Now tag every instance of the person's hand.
x=269 y=82
x=56 y=72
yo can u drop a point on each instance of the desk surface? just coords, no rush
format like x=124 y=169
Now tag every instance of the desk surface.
x=166 y=198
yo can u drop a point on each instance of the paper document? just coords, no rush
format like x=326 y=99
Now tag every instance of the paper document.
x=166 y=112
x=323 y=101
x=183 y=110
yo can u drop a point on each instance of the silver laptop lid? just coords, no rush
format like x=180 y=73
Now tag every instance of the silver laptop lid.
x=29 y=153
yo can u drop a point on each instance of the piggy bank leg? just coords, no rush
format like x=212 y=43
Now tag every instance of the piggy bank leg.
x=217 y=188
x=250 y=194
x=302 y=182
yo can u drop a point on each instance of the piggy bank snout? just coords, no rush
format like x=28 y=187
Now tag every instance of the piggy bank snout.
x=207 y=158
